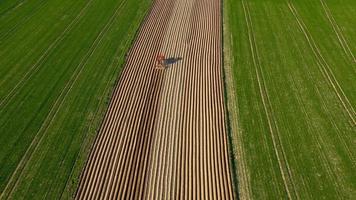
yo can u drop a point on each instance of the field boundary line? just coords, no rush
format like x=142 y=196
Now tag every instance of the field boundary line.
x=103 y=32
x=323 y=65
x=35 y=67
x=116 y=104
x=338 y=31
x=109 y=89
x=97 y=112
x=241 y=184
x=282 y=160
x=94 y=166
x=47 y=122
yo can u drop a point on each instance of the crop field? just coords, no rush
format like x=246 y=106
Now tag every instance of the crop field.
x=253 y=99
x=164 y=136
x=291 y=76
x=59 y=60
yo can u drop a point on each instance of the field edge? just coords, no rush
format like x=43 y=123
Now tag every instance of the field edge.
x=71 y=187
x=240 y=185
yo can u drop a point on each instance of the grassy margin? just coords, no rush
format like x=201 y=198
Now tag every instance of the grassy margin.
x=238 y=171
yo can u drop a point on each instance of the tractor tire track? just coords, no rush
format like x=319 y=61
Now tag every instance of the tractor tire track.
x=35 y=67
x=324 y=66
x=273 y=128
x=12 y=8
x=6 y=35
x=58 y=103
x=344 y=44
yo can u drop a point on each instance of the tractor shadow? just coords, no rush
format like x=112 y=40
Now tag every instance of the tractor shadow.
x=170 y=61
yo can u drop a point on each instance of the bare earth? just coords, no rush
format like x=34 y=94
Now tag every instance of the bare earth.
x=163 y=136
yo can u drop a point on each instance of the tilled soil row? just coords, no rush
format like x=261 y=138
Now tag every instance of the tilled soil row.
x=164 y=135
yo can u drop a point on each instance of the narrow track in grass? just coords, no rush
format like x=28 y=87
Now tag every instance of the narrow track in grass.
x=12 y=7
x=282 y=87
x=324 y=66
x=58 y=103
x=273 y=129
x=164 y=134
x=24 y=20
x=326 y=69
x=33 y=69
x=340 y=36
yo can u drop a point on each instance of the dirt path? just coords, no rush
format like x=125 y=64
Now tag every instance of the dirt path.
x=164 y=136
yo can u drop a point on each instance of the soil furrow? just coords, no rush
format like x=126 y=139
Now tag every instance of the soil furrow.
x=164 y=136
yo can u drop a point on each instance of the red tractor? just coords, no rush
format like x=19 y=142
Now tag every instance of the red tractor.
x=160 y=62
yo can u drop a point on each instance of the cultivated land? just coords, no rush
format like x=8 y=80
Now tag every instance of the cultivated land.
x=164 y=135
x=59 y=60
x=291 y=75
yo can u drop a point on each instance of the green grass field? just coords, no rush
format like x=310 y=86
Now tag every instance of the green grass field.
x=292 y=69
x=59 y=60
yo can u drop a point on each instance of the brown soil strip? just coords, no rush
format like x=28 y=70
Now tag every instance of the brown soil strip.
x=164 y=134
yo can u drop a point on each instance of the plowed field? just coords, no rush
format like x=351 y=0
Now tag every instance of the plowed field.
x=164 y=133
